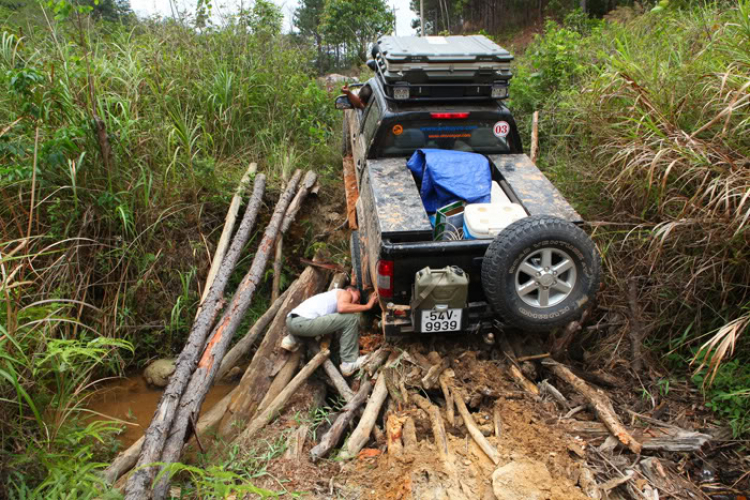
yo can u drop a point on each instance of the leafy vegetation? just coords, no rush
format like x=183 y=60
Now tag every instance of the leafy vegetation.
x=659 y=104
x=121 y=142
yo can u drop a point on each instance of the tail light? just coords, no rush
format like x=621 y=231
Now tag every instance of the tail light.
x=449 y=116
x=385 y=278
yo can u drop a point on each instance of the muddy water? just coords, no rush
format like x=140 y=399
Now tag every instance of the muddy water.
x=133 y=401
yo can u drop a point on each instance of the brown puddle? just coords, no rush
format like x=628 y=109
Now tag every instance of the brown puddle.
x=132 y=400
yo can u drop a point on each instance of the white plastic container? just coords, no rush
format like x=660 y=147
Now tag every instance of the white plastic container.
x=485 y=220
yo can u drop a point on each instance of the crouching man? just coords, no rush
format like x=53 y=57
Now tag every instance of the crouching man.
x=330 y=312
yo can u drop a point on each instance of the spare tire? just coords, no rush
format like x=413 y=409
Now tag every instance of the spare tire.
x=540 y=272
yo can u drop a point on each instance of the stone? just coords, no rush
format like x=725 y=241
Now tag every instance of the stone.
x=158 y=372
x=522 y=479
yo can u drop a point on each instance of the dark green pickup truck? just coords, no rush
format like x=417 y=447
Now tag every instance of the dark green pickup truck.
x=536 y=274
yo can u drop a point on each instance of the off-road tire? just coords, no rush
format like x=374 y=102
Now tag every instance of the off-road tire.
x=519 y=245
x=356 y=260
x=346 y=149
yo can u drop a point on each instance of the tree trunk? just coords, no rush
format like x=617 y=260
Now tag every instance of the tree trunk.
x=258 y=376
x=279 y=401
x=246 y=343
x=361 y=434
x=226 y=234
x=202 y=379
x=156 y=434
x=332 y=438
x=601 y=404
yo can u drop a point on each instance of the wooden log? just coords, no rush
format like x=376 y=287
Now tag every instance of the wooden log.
x=600 y=402
x=246 y=343
x=525 y=384
x=226 y=233
x=471 y=426
x=218 y=344
x=332 y=438
x=361 y=433
x=671 y=439
x=535 y=137
x=430 y=380
x=279 y=401
x=497 y=422
x=291 y=213
x=533 y=357
x=282 y=379
x=547 y=388
x=296 y=444
x=409 y=436
x=444 y=379
x=438 y=429
x=394 y=426
x=334 y=375
x=376 y=360
x=393 y=382
x=156 y=434
x=258 y=376
x=278 y=261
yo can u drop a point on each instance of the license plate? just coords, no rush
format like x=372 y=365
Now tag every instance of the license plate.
x=448 y=320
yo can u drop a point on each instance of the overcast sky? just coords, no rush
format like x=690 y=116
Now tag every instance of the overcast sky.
x=161 y=7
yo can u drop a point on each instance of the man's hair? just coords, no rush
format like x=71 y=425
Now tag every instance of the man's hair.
x=351 y=288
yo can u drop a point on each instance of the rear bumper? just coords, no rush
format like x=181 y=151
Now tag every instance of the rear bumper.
x=400 y=321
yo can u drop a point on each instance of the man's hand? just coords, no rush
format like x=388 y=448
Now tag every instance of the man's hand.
x=372 y=300
x=353 y=98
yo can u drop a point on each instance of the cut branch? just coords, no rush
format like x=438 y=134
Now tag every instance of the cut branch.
x=279 y=401
x=600 y=402
x=246 y=343
x=332 y=438
x=361 y=434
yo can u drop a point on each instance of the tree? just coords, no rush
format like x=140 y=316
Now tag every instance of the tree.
x=356 y=23
x=308 y=18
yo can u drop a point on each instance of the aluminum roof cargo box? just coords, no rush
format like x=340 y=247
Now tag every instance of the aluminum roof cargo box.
x=436 y=68
x=435 y=59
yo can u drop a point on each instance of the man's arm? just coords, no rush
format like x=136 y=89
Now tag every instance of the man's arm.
x=344 y=304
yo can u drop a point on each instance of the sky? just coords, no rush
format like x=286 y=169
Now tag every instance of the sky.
x=161 y=7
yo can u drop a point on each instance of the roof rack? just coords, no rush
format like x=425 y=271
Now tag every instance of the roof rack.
x=461 y=68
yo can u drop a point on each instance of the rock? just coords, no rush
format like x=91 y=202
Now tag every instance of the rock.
x=522 y=479
x=158 y=372
x=232 y=374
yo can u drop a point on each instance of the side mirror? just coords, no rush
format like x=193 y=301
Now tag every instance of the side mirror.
x=372 y=65
x=342 y=102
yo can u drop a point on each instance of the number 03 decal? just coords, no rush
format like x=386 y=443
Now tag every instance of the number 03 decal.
x=501 y=130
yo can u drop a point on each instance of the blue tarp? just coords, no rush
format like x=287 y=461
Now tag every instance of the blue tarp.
x=449 y=176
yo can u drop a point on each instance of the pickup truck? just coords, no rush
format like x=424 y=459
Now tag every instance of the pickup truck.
x=537 y=274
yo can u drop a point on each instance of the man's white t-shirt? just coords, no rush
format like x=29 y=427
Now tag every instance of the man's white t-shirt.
x=318 y=305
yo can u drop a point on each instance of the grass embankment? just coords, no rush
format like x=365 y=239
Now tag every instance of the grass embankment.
x=645 y=125
x=120 y=147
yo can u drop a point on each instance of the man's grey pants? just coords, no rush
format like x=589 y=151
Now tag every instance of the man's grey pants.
x=347 y=324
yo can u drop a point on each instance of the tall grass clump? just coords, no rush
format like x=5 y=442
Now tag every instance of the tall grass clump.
x=646 y=127
x=120 y=146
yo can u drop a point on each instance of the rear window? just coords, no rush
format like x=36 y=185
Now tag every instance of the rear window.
x=478 y=136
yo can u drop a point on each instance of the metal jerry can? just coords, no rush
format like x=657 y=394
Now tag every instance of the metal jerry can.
x=439 y=299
